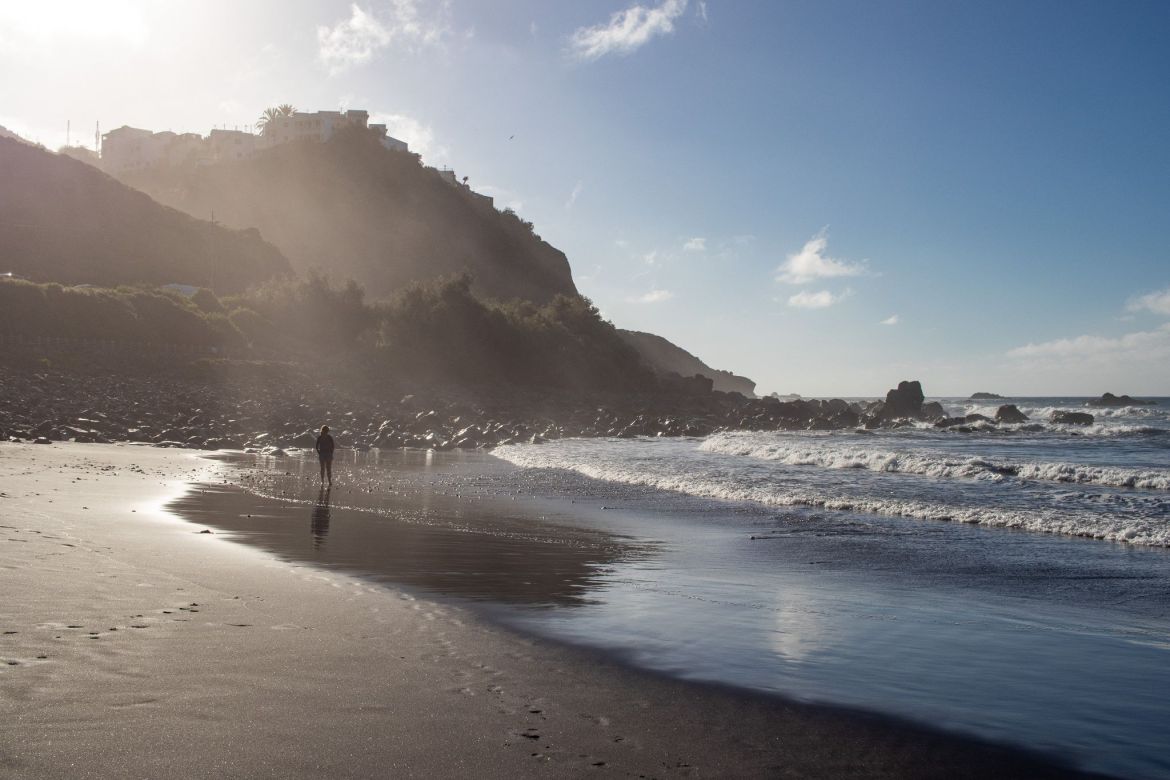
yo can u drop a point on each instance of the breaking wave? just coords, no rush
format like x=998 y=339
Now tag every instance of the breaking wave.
x=808 y=452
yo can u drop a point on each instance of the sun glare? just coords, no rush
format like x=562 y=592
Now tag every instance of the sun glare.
x=38 y=23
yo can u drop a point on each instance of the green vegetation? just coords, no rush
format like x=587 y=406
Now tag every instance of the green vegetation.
x=435 y=331
x=122 y=314
x=270 y=115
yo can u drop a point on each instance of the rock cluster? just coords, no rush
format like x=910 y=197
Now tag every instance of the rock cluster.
x=274 y=412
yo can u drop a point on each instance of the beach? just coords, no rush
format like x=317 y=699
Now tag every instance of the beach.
x=137 y=645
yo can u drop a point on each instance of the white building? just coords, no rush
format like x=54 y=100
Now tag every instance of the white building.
x=130 y=148
x=230 y=145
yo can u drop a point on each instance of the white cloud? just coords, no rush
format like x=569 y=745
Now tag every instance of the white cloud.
x=1142 y=346
x=352 y=41
x=701 y=11
x=651 y=257
x=816 y=300
x=418 y=135
x=811 y=263
x=891 y=320
x=355 y=40
x=696 y=244
x=627 y=31
x=580 y=185
x=1155 y=302
x=654 y=296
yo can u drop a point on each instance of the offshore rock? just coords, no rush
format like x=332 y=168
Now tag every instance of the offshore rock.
x=1010 y=414
x=1071 y=418
x=904 y=401
x=1109 y=399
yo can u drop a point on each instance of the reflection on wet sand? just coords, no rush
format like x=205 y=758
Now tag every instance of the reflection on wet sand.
x=481 y=556
x=319 y=525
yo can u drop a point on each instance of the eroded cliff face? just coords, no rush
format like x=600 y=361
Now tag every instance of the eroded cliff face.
x=353 y=209
x=65 y=221
x=667 y=358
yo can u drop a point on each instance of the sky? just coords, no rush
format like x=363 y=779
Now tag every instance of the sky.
x=827 y=197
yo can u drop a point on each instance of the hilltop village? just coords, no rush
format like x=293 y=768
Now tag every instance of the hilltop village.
x=125 y=150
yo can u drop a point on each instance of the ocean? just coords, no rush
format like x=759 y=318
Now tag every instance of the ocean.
x=1008 y=582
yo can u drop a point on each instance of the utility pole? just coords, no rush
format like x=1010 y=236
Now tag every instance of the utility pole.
x=67 y=129
x=97 y=137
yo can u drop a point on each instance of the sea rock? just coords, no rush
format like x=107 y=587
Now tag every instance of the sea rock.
x=985 y=396
x=1071 y=418
x=904 y=401
x=1009 y=413
x=1109 y=399
x=932 y=411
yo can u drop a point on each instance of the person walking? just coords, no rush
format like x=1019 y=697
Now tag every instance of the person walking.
x=324 y=448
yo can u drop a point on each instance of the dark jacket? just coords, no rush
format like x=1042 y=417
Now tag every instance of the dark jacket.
x=324 y=446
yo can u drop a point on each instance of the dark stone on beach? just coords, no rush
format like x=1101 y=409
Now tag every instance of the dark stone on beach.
x=977 y=418
x=1071 y=418
x=305 y=440
x=1109 y=399
x=1009 y=413
x=950 y=422
x=41 y=440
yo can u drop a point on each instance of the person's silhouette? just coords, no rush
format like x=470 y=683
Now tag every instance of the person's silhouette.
x=324 y=448
x=319 y=525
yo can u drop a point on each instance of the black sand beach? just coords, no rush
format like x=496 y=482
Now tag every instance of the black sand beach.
x=136 y=645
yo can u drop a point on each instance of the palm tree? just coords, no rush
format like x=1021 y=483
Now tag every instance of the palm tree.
x=270 y=116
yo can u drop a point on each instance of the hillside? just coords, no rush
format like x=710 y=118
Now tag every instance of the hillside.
x=355 y=210
x=665 y=358
x=64 y=221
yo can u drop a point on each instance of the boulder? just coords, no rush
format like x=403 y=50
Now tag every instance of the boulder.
x=932 y=411
x=904 y=401
x=1010 y=414
x=1071 y=418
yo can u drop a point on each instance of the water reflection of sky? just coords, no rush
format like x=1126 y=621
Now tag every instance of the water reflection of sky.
x=929 y=622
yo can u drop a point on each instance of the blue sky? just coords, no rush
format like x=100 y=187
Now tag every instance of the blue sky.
x=825 y=196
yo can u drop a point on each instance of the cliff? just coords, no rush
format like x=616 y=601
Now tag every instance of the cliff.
x=353 y=209
x=665 y=358
x=64 y=221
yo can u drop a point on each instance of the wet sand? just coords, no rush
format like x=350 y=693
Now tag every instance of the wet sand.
x=135 y=645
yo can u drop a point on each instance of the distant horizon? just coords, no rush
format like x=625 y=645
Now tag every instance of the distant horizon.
x=820 y=197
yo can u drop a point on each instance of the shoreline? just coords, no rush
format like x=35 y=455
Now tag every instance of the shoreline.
x=209 y=657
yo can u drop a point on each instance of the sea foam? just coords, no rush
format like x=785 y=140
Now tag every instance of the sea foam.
x=604 y=460
x=813 y=452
